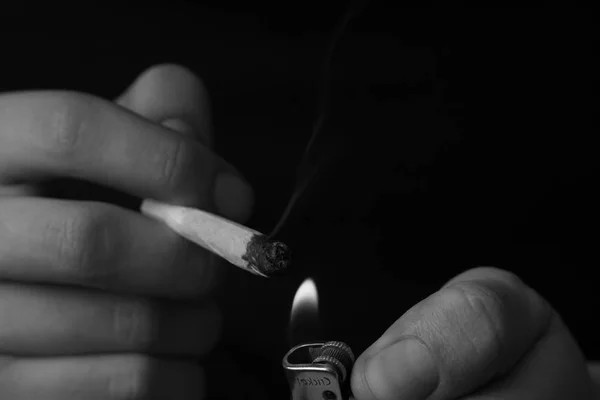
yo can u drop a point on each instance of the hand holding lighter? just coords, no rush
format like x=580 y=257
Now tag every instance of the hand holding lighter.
x=319 y=371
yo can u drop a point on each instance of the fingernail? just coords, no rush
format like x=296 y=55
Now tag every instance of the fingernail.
x=233 y=197
x=403 y=370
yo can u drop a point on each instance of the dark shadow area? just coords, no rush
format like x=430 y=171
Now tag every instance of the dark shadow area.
x=456 y=139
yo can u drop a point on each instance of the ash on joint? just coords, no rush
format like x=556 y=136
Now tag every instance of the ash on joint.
x=269 y=257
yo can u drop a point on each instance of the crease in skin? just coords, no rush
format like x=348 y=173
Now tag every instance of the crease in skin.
x=18 y=190
x=6 y=362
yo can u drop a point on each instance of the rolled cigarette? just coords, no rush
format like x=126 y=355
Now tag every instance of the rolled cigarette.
x=241 y=246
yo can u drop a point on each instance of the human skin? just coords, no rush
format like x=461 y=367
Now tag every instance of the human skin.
x=81 y=318
x=485 y=335
x=98 y=301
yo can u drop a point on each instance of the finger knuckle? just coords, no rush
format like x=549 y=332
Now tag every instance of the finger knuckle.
x=70 y=113
x=480 y=313
x=134 y=324
x=87 y=246
x=133 y=382
x=173 y=157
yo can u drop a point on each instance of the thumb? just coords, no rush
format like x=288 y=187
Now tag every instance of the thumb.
x=475 y=329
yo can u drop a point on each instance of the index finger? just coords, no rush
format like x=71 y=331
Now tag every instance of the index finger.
x=67 y=134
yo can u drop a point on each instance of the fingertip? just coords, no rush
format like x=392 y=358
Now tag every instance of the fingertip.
x=487 y=273
x=167 y=91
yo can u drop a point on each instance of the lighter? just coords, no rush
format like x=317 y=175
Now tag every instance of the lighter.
x=319 y=371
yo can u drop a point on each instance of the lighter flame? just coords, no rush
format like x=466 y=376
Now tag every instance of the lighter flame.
x=306 y=298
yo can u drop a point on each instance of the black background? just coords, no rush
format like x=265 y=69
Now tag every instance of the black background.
x=458 y=138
